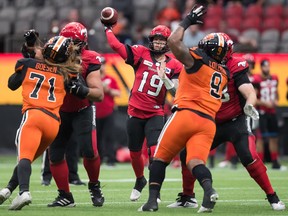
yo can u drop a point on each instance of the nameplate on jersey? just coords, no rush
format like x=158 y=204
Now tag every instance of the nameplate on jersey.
x=148 y=63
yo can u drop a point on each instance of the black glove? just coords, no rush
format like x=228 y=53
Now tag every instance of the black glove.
x=31 y=37
x=26 y=52
x=77 y=87
x=194 y=17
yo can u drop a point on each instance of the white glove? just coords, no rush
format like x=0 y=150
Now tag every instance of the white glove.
x=250 y=110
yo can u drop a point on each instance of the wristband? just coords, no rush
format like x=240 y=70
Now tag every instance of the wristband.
x=168 y=83
x=185 y=23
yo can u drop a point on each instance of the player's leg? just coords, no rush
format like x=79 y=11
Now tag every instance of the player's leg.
x=85 y=126
x=136 y=136
x=58 y=164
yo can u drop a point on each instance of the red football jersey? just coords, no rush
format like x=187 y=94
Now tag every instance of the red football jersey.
x=106 y=106
x=266 y=91
x=232 y=100
x=91 y=61
x=148 y=93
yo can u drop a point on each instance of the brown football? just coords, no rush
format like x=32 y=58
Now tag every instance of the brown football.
x=109 y=16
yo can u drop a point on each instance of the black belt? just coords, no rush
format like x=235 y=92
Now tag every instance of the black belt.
x=48 y=113
x=204 y=115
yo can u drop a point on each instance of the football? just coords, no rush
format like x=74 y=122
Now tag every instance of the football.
x=109 y=16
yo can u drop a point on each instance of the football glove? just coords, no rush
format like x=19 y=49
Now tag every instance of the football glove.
x=26 y=52
x=77 y=87
x=30 y=37
x=194 y=17
x=250 y=110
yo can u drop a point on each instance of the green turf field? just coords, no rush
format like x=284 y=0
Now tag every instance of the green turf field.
x=239 y=195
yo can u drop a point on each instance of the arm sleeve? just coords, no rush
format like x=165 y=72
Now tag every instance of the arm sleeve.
x=115 y=44
x=241 y=77
x=16 y=79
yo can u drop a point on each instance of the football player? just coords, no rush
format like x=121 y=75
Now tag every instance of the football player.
x=233 y=124
x=147 y=98
x=43 y=93
x=192 y=124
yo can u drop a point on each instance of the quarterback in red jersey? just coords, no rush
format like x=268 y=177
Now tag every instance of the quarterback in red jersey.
x=147 y=98
x=233 y=122
x=266 y=85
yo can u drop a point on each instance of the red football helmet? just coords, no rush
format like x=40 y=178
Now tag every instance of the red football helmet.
x=250 y=59
x=230 y=43
x=159 y=31
x=77 y=32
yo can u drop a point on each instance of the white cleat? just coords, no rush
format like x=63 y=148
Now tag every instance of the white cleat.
x=280 y=206
x=135 y=195
x=213 y=198
x=5 y=193
x=21 y=200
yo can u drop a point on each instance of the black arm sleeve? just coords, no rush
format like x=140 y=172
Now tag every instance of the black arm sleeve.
x=16 y=79
x=241 y=78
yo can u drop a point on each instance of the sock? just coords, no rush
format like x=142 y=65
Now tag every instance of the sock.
x=257 y=171
x=60 y=174
x=137 y=163
x=204 y=177
x=188 y=181
x=92 y=167
x=156 y=178
x=274 y=156
x=24 y=173
x=13 y=182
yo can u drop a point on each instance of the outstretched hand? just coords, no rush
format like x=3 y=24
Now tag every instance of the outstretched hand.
x=194 y=17
x=31 y=37
x=250 y=110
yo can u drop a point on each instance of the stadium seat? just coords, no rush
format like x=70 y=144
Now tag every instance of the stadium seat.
x=273 y=10
x=89 y=14
x=251 y=34
x=234 y=23
x=269 y=41
x=249 y=23
x=20 y=26
x=8 y=13
x=211 y=24
x=214 y=11
x=27 y=13
x=272 y=23
x=283 y=45
x=234 y=11
x=5 y=26
x=42 y=26
x=253 y=10
x=46 y=13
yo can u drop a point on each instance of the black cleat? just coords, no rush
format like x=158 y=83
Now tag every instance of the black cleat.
x=149 y=206
x=77 y=182
x=96 y=194
x=63 y=200
x=184 y=201
x=209 y=201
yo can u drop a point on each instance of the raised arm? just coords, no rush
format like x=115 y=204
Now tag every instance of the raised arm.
x=175 y=41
